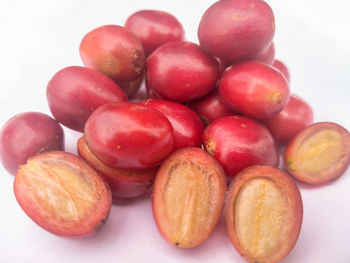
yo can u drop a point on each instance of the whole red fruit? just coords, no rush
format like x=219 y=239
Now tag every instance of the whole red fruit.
x=238 y=142
x=296 y=116
x=128 y=135
x=154 y=28
x=181 y=71
x=27 y=134
x=254 y=89
x=236 y=29
x=75 y=92
x=113 y=51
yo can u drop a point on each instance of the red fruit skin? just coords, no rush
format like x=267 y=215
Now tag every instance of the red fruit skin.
x=32 y=203
x=210 y=108
x=296 y=116
x=236 y=30
x=278 y=64
x=75 y=92
x=267 y=56
x=27 y=134
x=181 y=71
x=123 y=183
x=238 y=142
x=188 y=128
x=154 y=28
x=128 y=135
x=254 y=89
x=113 y=51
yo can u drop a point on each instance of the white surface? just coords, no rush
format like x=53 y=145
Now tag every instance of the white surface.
x=40 y=37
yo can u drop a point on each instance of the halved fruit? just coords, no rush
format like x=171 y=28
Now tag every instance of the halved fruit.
x=318 y=154
x=188 y=197
x=263 y=213
x=62 y=194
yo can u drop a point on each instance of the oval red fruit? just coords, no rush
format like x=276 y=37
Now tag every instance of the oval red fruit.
x=254 y=89
x=238 y=142
x=128 y=135
x=27 y=134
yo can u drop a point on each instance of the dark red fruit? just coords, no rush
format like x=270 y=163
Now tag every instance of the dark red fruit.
x=128 y=135
x=123 y=183
x=254 y=89
x=181 y=71
x=188 y=128
x=296 y=116
x=26 y=135
x=210 y=107
x=75 y=92
x=278 y=64
x=223 y=64
x=238 y=142
x=154 y=28
x=236 y=29
x=63 y=194
x=113 y=51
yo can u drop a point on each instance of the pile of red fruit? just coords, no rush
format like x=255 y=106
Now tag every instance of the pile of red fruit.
x=213 y=114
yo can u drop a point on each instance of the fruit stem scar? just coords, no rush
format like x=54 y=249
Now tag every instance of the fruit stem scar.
x=276 y=97
x=210 y=146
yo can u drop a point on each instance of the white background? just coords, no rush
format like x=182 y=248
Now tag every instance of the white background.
x=38 y=38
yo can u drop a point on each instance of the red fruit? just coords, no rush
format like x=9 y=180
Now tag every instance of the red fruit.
x=181 y=71
x=75 y=92
x=254 y=89
x=236 y=29
x=188 y=128
x=26 y=135
x=154 y=28
x=238 y=142
x=278 y=64
x=188 y=197
x=267 y=56
x=62 y=194
x=296 y=116
x=264 y=213
x=210 y=108
x=319 y=153
x=123 y=183
x=128 y=135
x=113 y=51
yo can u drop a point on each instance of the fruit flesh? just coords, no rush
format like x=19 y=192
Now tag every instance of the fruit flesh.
x=188 y=197
x=260 y=212
x=263 y=214
x=319 y=153
x=62 y=194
